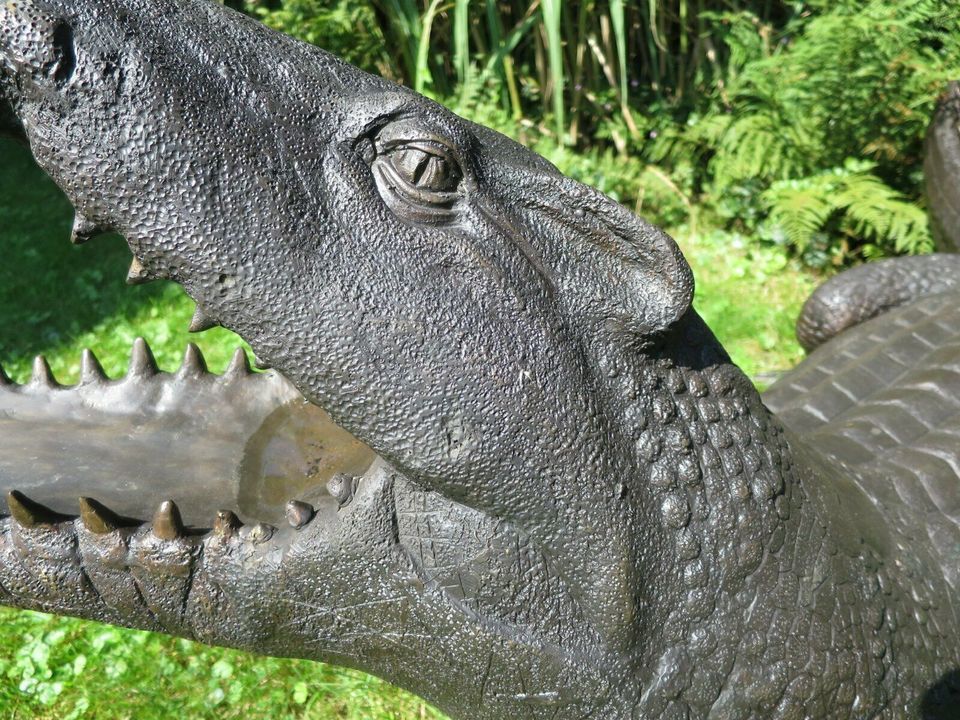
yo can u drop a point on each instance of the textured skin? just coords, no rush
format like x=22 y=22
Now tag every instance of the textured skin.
x=941 y=168
x=884 y=400
x=864 y=292
x=579 y=507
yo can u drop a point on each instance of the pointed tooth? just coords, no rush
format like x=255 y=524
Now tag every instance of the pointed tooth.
x=5 y=379
x=142 y=363
x=138 y=274
x=261 y=532
x=98 y=519
x=91 y=371
x=167 y=523
x=193 y=361
x=299 y=513
x=259 y=364
x=29 y=513
x=239 y=365
x=42 y=374
x=201 y=321
x=84 y=230
x=343 y=487
x=226 y=523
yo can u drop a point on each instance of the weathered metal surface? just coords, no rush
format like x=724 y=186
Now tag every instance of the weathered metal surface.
x=578 y=507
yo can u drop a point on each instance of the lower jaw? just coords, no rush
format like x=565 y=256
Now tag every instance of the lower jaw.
x=241 y=442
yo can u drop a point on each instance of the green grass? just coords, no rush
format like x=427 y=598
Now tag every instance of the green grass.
x=60 y=668
x=750 y=295
x=57 y=299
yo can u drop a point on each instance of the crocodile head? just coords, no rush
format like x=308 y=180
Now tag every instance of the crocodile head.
x=508 y=342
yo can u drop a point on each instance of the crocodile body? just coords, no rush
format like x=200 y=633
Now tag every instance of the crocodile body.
x=554 y=496
x=941 y=167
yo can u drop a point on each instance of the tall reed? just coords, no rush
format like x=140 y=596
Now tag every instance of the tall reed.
x=568 y=60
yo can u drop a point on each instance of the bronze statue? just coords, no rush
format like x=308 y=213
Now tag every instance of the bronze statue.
x=542 y=489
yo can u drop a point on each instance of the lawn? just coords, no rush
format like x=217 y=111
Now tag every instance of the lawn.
x=56 y=299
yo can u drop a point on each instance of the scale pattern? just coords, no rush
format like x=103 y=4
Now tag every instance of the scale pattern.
x=883 y=400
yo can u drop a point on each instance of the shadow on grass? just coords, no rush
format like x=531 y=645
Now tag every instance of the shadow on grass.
x=50 y=291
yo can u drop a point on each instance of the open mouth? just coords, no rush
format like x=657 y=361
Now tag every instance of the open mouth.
x=241 y=442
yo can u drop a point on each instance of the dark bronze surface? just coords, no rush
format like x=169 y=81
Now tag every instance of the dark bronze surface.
x=539 y=489
x=941 y=168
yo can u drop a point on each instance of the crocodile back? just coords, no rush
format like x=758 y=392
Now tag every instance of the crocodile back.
x=882 y=402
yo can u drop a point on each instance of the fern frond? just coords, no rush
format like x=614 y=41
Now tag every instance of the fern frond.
x=801 y=208
x=875 y=211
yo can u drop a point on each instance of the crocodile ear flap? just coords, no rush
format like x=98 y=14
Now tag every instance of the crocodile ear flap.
x=624 y=273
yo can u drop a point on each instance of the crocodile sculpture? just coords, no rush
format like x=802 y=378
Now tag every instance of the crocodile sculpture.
x=542 y=489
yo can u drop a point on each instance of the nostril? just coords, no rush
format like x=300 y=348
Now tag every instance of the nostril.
x=65 y=53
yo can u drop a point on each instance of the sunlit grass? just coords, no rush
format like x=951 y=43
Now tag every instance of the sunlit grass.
x=59 y=668
x=750 y=295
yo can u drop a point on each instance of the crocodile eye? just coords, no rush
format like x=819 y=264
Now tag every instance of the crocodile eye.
x=424 y=169
x=417 y=174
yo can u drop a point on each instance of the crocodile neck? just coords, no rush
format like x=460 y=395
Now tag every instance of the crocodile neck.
x=781 y=590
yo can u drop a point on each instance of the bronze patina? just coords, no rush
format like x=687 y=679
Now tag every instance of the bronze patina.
x=538 y=487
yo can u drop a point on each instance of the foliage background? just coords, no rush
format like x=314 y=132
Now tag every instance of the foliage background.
x=799 y=123
x=769 y=137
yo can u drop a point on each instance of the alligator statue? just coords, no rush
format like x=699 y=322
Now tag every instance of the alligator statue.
x=537 y=487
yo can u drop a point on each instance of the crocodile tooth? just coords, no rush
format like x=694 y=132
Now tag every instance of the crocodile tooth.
x=342 y=487
x=261 y=532
x=226 y=523
x=98 y=519
x=29 y=513
x=239 y=365
x=142 y=363
x=84 y=230
x=299 y=513
x=193 y=362
x=91 y=371
x=5 y=380
x=138 y=274
x=42 y=374
x=201 y=321
x=167 y=523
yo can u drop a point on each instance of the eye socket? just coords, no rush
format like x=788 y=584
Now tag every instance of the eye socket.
x=417 y=172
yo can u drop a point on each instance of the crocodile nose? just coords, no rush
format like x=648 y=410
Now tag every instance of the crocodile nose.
x=36 y=49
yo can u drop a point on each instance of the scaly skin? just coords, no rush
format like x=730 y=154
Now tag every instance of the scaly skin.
x=865 y=292
x=579 y=507
x=941 y=166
